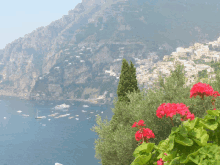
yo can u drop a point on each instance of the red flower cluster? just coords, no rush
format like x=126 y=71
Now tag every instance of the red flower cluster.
x=202 y=89
x=143 y=133
x=172 y=109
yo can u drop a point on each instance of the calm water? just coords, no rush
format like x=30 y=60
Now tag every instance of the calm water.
x=30 y=141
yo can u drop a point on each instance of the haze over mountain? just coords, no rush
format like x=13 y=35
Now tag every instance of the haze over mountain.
x=68 y=58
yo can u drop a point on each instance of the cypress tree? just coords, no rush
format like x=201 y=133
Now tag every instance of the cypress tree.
x=124 y=82
x=133 y=80
x=127 y=82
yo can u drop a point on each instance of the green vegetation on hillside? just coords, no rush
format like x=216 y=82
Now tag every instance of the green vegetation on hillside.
x=115 y=146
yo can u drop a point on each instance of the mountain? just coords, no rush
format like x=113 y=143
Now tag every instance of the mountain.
x=79 y=56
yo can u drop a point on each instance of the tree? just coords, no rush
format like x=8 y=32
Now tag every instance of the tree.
x=127 y=81
x=127 y=84
x=133 y=80
x=124 y=82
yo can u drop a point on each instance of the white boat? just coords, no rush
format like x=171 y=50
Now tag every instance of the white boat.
x=53 y=114
x=58 y=164
x=77 y=115
x=39 y=117
x=84 y=111
x=25 y=115
x=62 y=106
x=70 y=117
x=77 y=118
x=102 y=112
x=4 y=117
x=85 y=106
x=91 y=112
x=19 y=111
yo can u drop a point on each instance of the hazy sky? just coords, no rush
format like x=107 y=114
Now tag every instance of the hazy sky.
x=20 y=17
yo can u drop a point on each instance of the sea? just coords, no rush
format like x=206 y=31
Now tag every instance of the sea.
x=67 y=140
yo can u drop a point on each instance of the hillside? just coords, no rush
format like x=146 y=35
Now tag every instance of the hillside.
x=79 y=56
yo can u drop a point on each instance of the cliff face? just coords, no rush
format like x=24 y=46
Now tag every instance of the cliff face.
x=70 y=58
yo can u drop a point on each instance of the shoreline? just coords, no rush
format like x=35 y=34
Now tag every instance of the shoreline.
x=91 y=101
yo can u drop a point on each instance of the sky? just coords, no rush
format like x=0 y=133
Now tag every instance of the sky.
x=20 y=17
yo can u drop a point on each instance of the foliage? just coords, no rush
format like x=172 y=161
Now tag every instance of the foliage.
x=124 y=81
x=203 y=73
x=117 y=143
x=127 y=81
x=133 y=79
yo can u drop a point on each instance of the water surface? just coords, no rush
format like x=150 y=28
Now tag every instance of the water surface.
x=30 y=141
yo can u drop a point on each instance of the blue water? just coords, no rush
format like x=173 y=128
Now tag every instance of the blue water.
x=30 y=141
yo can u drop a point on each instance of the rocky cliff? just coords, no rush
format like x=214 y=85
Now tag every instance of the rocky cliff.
x=79 y=56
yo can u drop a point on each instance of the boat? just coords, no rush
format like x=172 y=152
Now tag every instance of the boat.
x=52 y=115
x=25 y=115
x=71 y=117
x=62 y=106
x=77 y=118
x=102 y=112
x=58 y=164
x=84 y=111
x=85 y=106
x=39 y=117
x=19 y=111
x=63 y=115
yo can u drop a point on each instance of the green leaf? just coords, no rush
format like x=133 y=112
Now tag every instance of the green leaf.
x=214 y=112
x=191 y=123
x=209 y=124
x=143 y=148
x=183 y=140
x=141 y=159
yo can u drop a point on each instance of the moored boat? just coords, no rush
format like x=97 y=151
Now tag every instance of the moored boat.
x=62 y=106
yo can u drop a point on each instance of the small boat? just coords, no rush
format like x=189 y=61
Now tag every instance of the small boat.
x=70 y=117
x=85 y=106
x=4 y=117
x=77 y=115
x=91 y=112
x=39 y=117
x=62 y=106
x=19 y=111
x=58 y=164
x=84 y=111
x=49 y=119
x=77 y=118
x=53 y=114
x=25 y=115
x=102 y=112
x=43 y=124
